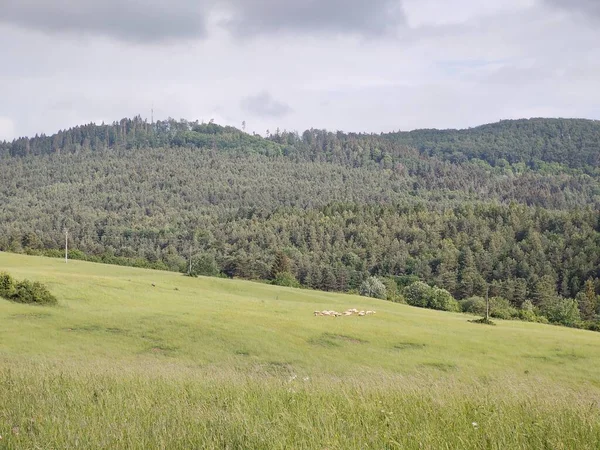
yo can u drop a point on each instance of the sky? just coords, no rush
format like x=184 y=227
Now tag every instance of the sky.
x=350 y=65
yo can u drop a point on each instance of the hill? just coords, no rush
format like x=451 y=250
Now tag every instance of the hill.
x=571 y=142
x=511 y=206
x=133 y=357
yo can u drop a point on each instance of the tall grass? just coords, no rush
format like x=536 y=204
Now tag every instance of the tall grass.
x=65 y=406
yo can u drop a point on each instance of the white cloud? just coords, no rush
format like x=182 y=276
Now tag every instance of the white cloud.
x=480 y=62
x=7 y=129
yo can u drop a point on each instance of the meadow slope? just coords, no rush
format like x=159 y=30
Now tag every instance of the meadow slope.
x=134 y=358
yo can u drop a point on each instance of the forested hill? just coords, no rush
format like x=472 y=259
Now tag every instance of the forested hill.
x=572 y=142
x=511 y=206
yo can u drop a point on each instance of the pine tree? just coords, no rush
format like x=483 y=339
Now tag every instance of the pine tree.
x=587 y=300
x=280 y=265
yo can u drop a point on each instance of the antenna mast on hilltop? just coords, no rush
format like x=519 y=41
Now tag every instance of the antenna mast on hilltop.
x=152 y=114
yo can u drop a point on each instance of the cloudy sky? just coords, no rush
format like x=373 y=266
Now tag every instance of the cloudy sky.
x=352 y=65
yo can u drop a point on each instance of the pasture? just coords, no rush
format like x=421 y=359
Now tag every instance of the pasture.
x=133 y=358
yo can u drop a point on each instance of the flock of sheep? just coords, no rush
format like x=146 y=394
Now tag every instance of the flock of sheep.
x=348 y=312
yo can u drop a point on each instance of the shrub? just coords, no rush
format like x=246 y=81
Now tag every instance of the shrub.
x=7 y=285
x=204 y=265
x=560 y=310
x=405 y=280
x=373 y=287
x=391 y=288
x=527 y=312
x=399 y=299
x=442 y=299
x=32 y=293
x=286 y=279
x=501 y=308
x=417 y=294
x=53 y=253
x=473 y=305
x=424 y=296
x=592 y=325
x=77 y=254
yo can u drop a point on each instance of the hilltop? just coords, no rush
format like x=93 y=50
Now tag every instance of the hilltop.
x=574 y=143
x=571 y=142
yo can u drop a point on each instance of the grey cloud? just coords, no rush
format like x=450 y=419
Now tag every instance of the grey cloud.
x=263 y=105
x=359 y=17
x=131 y=20
x=158 y=20
x=588 y=7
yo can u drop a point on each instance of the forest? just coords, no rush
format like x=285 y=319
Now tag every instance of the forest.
x=508 y=209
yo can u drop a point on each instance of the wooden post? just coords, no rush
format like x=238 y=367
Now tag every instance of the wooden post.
x=66 y=246
x=487 y=303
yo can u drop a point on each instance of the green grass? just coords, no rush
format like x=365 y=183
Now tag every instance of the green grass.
x=212 y=363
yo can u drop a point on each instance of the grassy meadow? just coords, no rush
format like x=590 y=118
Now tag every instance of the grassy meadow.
x=132 y=358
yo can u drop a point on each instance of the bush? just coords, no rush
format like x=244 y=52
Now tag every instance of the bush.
x=417 y=294
x=473 y=305
x=373 y=287
x=527 y=312
x=76 y=255
x=399 y=299
x=563 y=311
x=286 y=279
x=501 y=308
x=32 y=293
x=392 y=293
x=7 y=285
x=403 y=281
x=442 y=300
x=424 y=296
x=592 y=325
x=204 y=265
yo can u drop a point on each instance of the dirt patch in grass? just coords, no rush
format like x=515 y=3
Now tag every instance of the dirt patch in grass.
x=30 y=316
x=540 y=357
x=444 y=367
x=85 y=328
x=569 y=355
x=276 y=368
x=97 y=329
x=163 y=349
x=409 y=346
x=335 y=340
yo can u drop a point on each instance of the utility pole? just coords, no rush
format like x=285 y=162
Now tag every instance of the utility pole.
x=66 y=245
x=487 y=303
x=190 y=266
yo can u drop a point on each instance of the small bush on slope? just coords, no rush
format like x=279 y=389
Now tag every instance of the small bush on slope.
x=25 y=291
x=422 y=295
